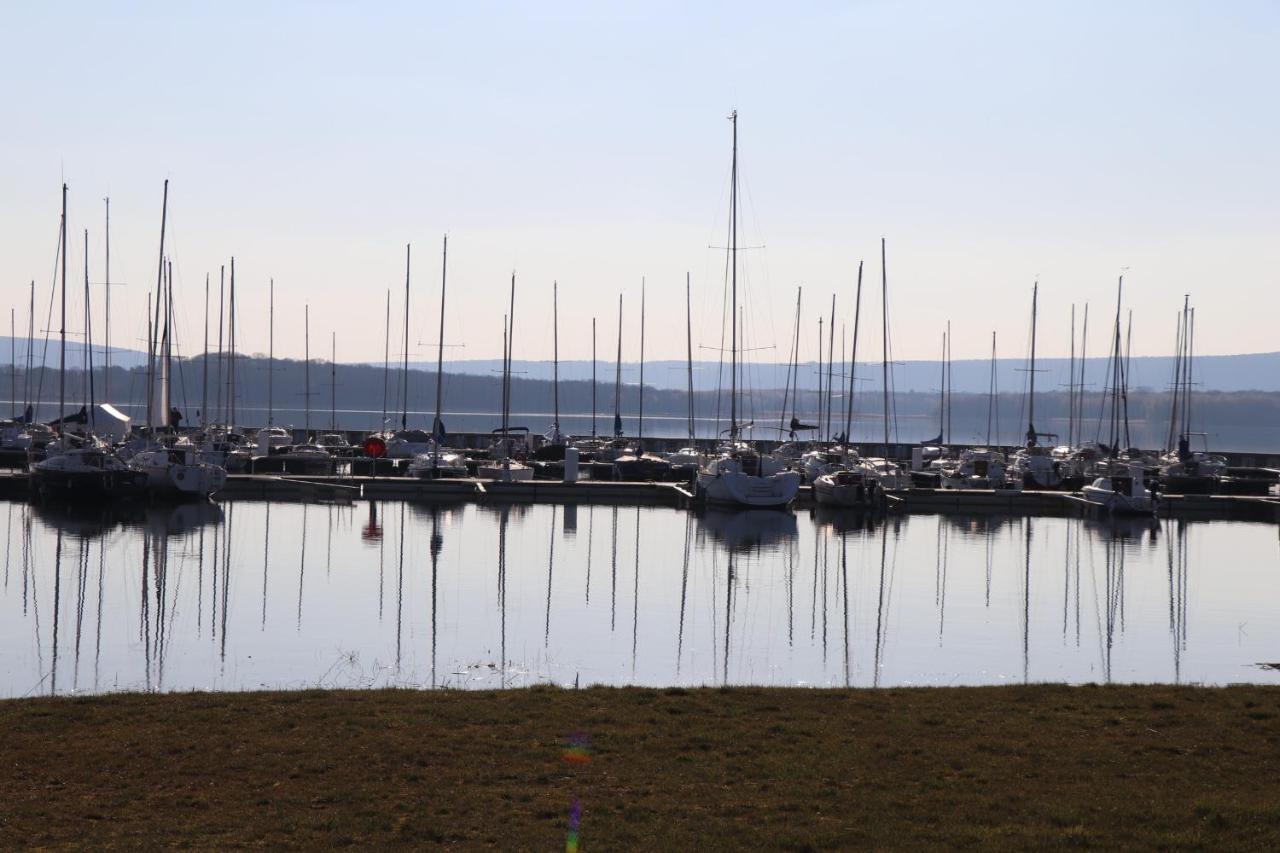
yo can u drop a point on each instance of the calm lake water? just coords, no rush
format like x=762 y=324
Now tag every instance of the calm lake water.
x=245 y=595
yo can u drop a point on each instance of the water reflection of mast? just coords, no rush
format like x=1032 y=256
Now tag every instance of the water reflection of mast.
x=82 y=573
x=502 y=591
x=826 y=564
x=226 y=584
x=940 y=591
x=813 y=604
x=302 y=565
x=880 y=602
x=1178 y=597
x=26 y=559
x=551 y=560
x=97 y=647
x=635 y=599
x=144 y=614
x=437 y=542
x=382 y=551
x=844 y=580
x=728 y=614
x=266 y=547
x=1026 y=604
x=400 y=590
x=684 y=589
x=57 y=595
x=8 y=543
x=591 y=529
x=613 y=601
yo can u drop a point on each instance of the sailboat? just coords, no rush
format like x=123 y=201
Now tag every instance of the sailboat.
x=639 y=465
x=738 y=475
x=407 y=443
x=554 y=442
x=503 y=468
x=439 y=461
x=686 y=461
x=89 y=472
x=173 y=468
x=1034 y=464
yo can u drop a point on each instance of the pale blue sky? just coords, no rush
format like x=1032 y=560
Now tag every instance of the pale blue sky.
x=990 y=143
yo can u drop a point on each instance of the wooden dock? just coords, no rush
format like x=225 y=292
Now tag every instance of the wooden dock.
x=343 y=489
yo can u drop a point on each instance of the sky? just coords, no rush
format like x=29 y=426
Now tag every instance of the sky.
x=990 y=144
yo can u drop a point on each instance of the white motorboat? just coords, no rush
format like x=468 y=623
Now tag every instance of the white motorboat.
x=85 y=474
x=178 y=472
x=505 y=471
x=408 y=443
x=333 y=442
x=856 y=488
x=305 y=459
x=271 y=439
x=977 y=468
x=1122 y=495
x=439 y=463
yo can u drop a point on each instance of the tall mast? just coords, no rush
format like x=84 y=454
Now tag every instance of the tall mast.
x=820 y=322
x=949 y=382
x=853 y=356
x=437 y=425
x=593 y=377
x=62 y=331
x=884 y=341
x=1031 y=399
x=1191 y=344
x=231 y=346
x=88 y=331
x=404 y=414
x=991 y=391
x=1084 y=345
x=106 y=289
x=1071 y=382
x=617 y=379
x=640 y=424
x=13 y=363
x=511 y=350
x=166 y=350
x=164 y=215
x=271 y=352
x=688 y=314
x=31 y=336
x=831 y=358
x=204 y=361
x=218 y=413
x=333 y=382
x=793 y=369
x=733 y=264
x=942 y=392
x=306 y=368
x=503 y=406
x=386 y=363
x=555 y=357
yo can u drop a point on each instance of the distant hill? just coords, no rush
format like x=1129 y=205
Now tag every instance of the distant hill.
x=1251 y=372
x=1248 y=372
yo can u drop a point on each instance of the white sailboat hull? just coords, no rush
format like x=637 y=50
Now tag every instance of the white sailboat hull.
x=736 y=488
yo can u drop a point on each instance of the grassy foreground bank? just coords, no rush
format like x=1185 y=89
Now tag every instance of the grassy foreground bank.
x=655 y=769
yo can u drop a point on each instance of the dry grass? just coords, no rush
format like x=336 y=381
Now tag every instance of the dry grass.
x=1039 y=766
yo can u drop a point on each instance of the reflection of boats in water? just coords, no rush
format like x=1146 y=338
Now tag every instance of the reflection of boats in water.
x=845 y=519
x=1132 y=527
x=747 y=530
x=92 y=521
